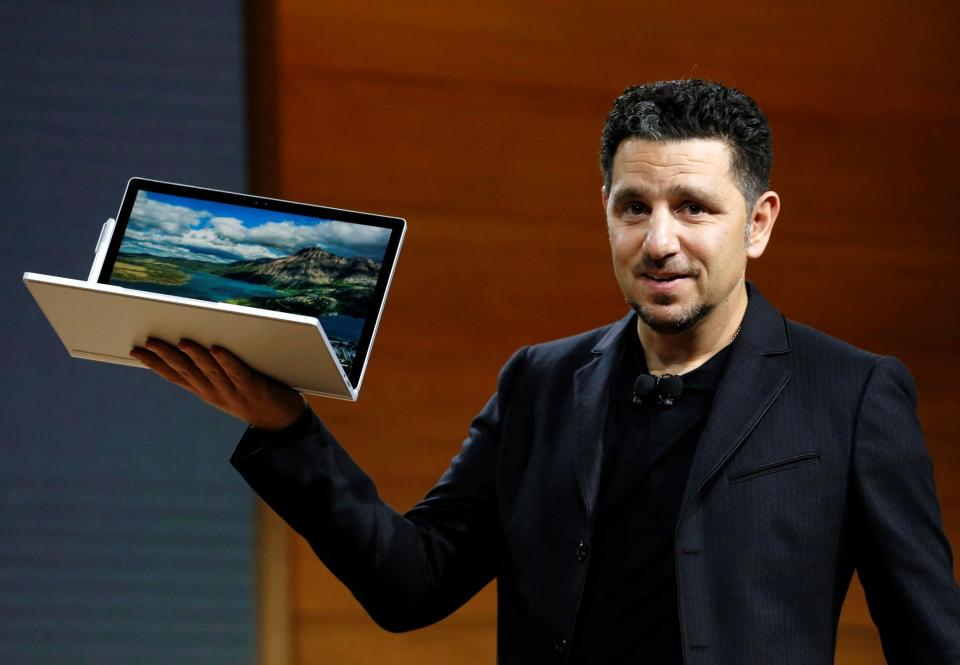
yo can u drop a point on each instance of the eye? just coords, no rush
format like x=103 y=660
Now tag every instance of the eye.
x=637 y=209
x=693 y=208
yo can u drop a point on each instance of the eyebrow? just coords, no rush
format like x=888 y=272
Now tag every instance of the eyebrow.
x=686 y=192
x=628 y=193
x=683 y=192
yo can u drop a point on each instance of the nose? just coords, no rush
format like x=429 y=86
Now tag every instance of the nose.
x=661 y=241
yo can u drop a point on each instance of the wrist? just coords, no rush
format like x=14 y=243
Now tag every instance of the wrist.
x=285 y=417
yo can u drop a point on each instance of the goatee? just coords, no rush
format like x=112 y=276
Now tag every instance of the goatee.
x=684 y=320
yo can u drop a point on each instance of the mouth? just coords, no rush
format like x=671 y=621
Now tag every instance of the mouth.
x=664 y=277
x=663 y=284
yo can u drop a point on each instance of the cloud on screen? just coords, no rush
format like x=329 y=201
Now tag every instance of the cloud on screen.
x=164 y=217
x=337 y=237
x=165 y=229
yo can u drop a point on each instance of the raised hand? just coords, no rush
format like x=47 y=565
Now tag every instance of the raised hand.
x=220 y=378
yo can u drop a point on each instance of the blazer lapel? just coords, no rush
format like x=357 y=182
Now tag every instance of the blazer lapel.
x=751 y=384
x=591 y=388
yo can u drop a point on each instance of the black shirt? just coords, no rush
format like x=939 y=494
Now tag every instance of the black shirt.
x=629 y=610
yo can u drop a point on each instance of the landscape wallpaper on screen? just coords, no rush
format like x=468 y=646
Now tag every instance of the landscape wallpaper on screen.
x=259 y=258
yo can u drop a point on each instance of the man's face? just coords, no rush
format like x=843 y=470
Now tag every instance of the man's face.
x=678 y=231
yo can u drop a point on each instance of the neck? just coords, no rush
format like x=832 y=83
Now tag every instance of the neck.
x=679 y=353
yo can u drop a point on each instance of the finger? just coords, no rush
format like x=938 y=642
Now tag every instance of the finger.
x=211 y=369
x=180 y=363
x=155 y=363
x=261 y=400
x=241 y=375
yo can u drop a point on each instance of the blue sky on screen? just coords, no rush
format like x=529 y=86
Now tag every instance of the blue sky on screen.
x=175 y=226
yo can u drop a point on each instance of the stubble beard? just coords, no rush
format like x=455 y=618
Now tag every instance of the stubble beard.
x=682 y=321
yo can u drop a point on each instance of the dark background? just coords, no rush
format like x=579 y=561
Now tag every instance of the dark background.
x=125 y=537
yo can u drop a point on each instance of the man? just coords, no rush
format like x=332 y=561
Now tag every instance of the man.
x=628 y=517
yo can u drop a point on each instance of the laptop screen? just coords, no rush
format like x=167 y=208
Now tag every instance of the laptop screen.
x=277 y=255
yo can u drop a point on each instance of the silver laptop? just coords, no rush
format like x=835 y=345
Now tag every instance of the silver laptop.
x=295 y=290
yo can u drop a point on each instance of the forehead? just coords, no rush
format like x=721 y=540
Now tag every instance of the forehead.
x=656 y=164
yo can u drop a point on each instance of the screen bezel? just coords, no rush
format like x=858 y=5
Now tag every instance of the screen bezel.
x=396 y=225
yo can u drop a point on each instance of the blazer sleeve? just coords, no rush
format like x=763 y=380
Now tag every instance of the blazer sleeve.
x=407 y=570
x=901 y=553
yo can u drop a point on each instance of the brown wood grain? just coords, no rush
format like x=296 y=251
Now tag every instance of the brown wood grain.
x=479 y=123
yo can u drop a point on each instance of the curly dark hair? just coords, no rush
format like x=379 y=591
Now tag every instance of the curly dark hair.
x=692 y=109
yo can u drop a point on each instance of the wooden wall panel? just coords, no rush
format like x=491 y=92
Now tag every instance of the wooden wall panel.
x=479 y=123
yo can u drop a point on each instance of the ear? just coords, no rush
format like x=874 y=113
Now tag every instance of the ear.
x=604 y=197
x=762 y=219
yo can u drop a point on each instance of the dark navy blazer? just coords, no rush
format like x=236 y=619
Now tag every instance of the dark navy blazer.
x=812 y=464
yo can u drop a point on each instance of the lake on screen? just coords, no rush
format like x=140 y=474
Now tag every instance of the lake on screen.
x=342 y=327
x=204 y=286
x=215 y=288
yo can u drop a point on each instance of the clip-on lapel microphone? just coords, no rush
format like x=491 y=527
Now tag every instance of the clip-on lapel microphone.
x=667 y=389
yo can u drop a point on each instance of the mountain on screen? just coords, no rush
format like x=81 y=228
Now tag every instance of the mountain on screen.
x=313 y=281
x=308 y=267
